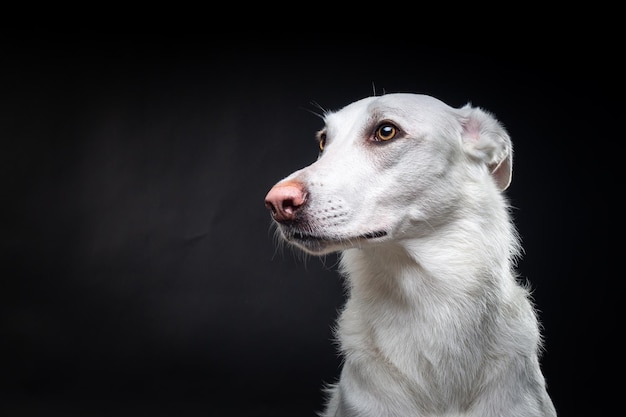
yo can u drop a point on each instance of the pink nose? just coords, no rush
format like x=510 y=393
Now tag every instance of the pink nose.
x=284 y=200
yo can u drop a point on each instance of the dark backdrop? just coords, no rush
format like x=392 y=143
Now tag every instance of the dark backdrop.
x=141 y=275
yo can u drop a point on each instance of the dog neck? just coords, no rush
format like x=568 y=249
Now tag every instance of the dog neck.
x=408 y=303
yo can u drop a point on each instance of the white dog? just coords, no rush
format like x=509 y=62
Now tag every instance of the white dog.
x=409 y=190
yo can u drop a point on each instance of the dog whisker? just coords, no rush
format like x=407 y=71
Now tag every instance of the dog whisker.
x=319 y=107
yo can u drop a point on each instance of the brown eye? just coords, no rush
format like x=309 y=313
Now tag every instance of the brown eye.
x=322 y=141
x=386 y=131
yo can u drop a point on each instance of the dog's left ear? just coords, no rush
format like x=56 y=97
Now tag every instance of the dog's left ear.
x=485 y=139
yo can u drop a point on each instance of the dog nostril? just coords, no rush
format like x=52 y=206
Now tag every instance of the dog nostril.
x=284 y=200
x=289 y=207
x=270 y=206
x=282 y=210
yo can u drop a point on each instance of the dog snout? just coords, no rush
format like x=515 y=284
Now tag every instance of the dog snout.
x=285 y=199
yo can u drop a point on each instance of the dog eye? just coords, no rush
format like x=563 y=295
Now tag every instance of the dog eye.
x=385 y=131
x=322 y=141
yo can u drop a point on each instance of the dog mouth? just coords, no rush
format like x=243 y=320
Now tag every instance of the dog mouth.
x=297 y=235
x=316 y=243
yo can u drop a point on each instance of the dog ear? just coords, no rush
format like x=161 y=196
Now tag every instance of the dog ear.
x=486 y=139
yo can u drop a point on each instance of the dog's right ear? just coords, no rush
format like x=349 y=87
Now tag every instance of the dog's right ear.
x=486 y=139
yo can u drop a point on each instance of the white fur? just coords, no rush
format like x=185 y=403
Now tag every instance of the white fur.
x=436 y=323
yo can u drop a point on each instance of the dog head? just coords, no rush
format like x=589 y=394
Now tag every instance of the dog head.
x=391 y=167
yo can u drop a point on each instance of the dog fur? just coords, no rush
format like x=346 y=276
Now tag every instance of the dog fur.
x=410 y=191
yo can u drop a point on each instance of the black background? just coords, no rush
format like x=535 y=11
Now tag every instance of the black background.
x=141 y=275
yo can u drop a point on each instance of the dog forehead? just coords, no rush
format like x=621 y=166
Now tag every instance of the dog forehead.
x=403 y=105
